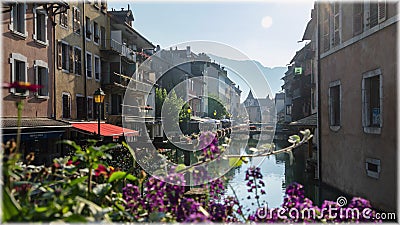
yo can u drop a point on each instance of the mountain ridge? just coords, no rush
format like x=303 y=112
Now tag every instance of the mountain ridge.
x=245 y=68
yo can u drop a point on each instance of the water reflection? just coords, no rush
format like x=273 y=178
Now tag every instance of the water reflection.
x=278 y=173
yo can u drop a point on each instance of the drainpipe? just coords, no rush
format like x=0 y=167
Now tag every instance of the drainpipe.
x=86 y=117
x=319 y=91
x=53 y=24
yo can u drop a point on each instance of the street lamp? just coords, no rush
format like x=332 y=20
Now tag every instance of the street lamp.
x=215 y=114
x=189 y=110
x=98 y=98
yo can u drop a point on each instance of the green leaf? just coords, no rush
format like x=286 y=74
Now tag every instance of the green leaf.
x=180 y=167
x=11 y=207
x=294 y=139
x=75 y=218
x=235 y=162
x=116 y=176
x=131 y=177
x=305 y=132
x=41 y=209
x=78 y=180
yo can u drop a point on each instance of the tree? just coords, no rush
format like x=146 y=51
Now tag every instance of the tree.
x=216 y=109
x=161 y=95
x=173 y=104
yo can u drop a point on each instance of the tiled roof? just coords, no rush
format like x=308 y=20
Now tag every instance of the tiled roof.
x=32 y=122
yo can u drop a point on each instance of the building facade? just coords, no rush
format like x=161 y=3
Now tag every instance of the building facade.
x=80 y=33
x=123 y=69
x=259 y=110
x=27 y=57
x=358 y=74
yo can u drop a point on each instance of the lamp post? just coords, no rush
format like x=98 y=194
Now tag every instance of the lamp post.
x=98 y=98
x=189 y=110
x=215 y=114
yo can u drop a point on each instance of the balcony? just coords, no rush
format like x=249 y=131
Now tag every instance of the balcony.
x=123 y=50
x=140 y=86
x=121 y=81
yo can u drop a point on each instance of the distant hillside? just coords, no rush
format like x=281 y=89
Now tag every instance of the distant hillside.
x=246 y=68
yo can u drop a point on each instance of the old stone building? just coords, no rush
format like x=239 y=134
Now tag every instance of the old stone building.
x=358 y=76
x=27 y=57
x=80 y=34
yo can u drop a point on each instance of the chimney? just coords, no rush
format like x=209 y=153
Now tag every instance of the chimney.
x=122 y=9
x=128 y=7
x=188 y=51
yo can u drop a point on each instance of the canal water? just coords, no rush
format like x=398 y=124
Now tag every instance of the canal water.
x=278 y=173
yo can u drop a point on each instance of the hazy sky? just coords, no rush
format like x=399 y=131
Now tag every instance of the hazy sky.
x=265 y=31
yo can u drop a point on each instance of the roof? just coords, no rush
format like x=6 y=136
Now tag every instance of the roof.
x=250 y=96
x=32 y=123
x=309 y=121
x=308 y=33
x=105 y=129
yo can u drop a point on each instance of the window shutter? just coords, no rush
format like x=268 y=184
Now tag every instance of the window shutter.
x=36 y=69
x=336 y=23
x=65 y=107
x=59 y=55
x=381 y=11
x=357 y=18
x=46 y=83
x=71 y=59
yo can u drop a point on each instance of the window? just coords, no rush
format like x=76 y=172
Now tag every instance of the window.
x=66 y=105
x=64 y=19
x=18 y=23
x=336 y=23
x=64 y=56
x=358 y=18
x=103 y=37
x=80 y=107
x=372 y=101
x=377 y=13
x=77 y=20
x=40 y=34
x=116 y=104
x=90 y=107
x=88 y=65
x=96 y=37
x=42 y=78
x=288 y=109
x=373 y=167
x=77 y=61
x=325 y=28
x=334 y=105
x=18 y=72
x=87 y=27
x=97 y=68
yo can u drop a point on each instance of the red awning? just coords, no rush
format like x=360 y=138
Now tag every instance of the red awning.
x=105 y=129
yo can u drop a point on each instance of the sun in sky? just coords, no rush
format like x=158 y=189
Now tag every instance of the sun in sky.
x=266 y=22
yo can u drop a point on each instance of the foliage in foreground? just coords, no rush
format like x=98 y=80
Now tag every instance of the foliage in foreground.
x=83 y=188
